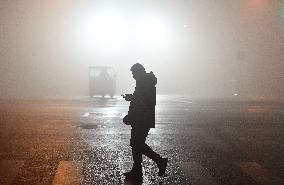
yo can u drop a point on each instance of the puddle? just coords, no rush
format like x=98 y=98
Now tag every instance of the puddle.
x=88 y=126
x=107 y=114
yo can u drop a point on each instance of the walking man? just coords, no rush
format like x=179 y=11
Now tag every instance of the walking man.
x=141 y=117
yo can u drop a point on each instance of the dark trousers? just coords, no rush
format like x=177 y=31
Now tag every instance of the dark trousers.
x=139 y=147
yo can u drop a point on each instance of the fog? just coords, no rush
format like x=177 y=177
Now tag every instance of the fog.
x=197 y=48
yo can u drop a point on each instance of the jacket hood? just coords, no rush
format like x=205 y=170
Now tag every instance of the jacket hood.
x=151 y=78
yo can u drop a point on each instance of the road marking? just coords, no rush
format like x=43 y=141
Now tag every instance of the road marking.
x=196 y=174
x=183 y=101
x=258 y=173
x=68 y=173
x=9 y=170
x=86 y=114
x=106 y=114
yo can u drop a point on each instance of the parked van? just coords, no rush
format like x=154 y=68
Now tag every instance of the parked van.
x=102 y=81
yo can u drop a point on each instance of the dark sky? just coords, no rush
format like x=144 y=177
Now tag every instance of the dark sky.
x=46 y=51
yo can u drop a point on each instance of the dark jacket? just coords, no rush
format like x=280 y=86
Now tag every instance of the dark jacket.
x=142 y=106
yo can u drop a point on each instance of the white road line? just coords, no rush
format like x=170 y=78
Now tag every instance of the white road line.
x=9 y=170
x=86 y=114
x=68 y=173
x=196 y=174
x=184 y=100
x=258 y=173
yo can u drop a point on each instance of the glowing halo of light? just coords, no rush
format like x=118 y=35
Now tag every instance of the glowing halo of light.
x=151 y=32
x=105 y=30
x=110 y=29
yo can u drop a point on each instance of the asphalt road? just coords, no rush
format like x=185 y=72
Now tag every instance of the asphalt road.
x=83 y=141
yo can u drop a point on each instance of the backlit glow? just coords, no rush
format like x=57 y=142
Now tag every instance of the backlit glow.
x=151 y=32
x=106 y=30
x=110 y=30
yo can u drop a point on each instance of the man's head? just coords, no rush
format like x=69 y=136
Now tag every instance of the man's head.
x=137 y=71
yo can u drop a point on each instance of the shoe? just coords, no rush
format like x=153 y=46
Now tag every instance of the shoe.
x=162 y=165
x=133 y=180
x=133 y=174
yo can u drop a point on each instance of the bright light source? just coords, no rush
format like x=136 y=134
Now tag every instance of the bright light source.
x=151 y=32
x=106 y=30
x=110 y=29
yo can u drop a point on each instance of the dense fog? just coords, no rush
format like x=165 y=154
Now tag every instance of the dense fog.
x=197 y=48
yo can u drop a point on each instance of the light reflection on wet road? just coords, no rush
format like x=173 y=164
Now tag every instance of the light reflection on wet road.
x=84 y=141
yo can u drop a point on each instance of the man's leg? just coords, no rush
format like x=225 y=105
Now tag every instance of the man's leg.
x=138 y=137
x=161 y=162
x=136 y=171
x=139 y=147
x=137 y=159
x=147 y=151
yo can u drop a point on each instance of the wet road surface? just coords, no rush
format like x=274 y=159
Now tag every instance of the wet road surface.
x=83 y=141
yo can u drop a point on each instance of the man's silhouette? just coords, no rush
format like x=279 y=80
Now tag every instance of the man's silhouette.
x=141 y=117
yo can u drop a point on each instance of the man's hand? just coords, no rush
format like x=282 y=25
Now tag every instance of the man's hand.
x=127 y=97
